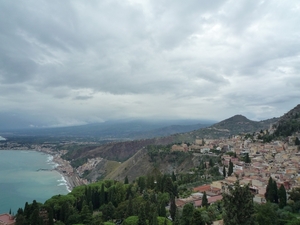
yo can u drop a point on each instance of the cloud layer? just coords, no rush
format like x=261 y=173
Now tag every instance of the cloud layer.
x=72 y=62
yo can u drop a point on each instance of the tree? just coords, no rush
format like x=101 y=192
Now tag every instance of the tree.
x=130 y=207
x=35 y=219
x=162 y=209
x=154 y=220
x=126 y=181
x=275 y=190
x=204 y=200
x=86 y=214
x=141 y=183
x=282 y=196
x=211 y=164
x=238 y=205
x=177 y=218
x=169 y=187
x=230 y=168
x=224 y=171
x=173 y=208
x=187 y=214
x=173 y=177
x=102 y=196
x=271 y=191
x=197 y=218
x=265 y=214
x=297 y=141
x=294 y=195
x=142 y=216
x=108 y=211
x=247 y=158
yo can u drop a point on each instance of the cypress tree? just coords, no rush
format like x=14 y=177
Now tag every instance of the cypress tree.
x=224 y=171
x=230 y=168
x=173 y=177
x=130 y=207
x=275 y=191
x=173 y=208
x=154 y=220
x=204 y=200
x=102 y=196
x=162 y=209
x=177 y=218
x=148 y=212
x=50 y=216
x=126 y=181
x=282 y=196
x=269 y=191
x=34 y=218
x=247 y=158
x=141 y=183
x=142 y=216
x=271 y=194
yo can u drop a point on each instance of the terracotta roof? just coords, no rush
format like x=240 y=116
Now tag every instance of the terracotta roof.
x=210 y=200
x=180 y=203
x=6 y=219
x=202 y=188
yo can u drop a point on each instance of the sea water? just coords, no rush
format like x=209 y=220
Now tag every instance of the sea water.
x=26 y=176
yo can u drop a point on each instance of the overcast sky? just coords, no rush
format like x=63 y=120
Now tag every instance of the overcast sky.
x=74 y=62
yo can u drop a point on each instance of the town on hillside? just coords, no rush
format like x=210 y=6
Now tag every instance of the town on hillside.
x=279 y=160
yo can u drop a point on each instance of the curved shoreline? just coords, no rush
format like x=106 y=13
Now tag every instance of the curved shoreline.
x=67 y=172
x=63 y=167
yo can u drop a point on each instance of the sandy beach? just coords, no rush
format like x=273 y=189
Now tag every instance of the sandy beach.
x=68 y=172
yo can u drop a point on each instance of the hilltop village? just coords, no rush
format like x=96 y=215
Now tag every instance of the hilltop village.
x=278 y=159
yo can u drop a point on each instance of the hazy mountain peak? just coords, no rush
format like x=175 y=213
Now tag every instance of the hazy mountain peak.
x=234 y=120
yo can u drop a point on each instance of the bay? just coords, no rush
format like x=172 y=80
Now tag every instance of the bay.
x=22 y=180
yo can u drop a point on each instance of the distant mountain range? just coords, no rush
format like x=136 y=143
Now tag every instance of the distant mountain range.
x=115 y=130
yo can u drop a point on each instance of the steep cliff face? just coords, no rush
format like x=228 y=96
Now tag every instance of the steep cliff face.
x=141 y=164
x=138 y=165
x=117 y=151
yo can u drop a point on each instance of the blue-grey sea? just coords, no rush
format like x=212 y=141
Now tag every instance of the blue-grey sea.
x=21 y=180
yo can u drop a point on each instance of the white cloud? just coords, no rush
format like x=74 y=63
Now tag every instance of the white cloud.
x=80 y=61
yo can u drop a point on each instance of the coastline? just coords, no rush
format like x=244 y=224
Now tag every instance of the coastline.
x=67 y=172
x=63 y=167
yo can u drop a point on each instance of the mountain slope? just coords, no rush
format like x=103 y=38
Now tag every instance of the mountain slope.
x=289 y=123
x=231 y=126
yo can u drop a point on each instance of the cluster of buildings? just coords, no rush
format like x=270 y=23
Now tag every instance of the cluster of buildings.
x=279 y=160
x=89 y=165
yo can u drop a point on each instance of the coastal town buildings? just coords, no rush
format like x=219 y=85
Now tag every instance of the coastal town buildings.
x=279 y=160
